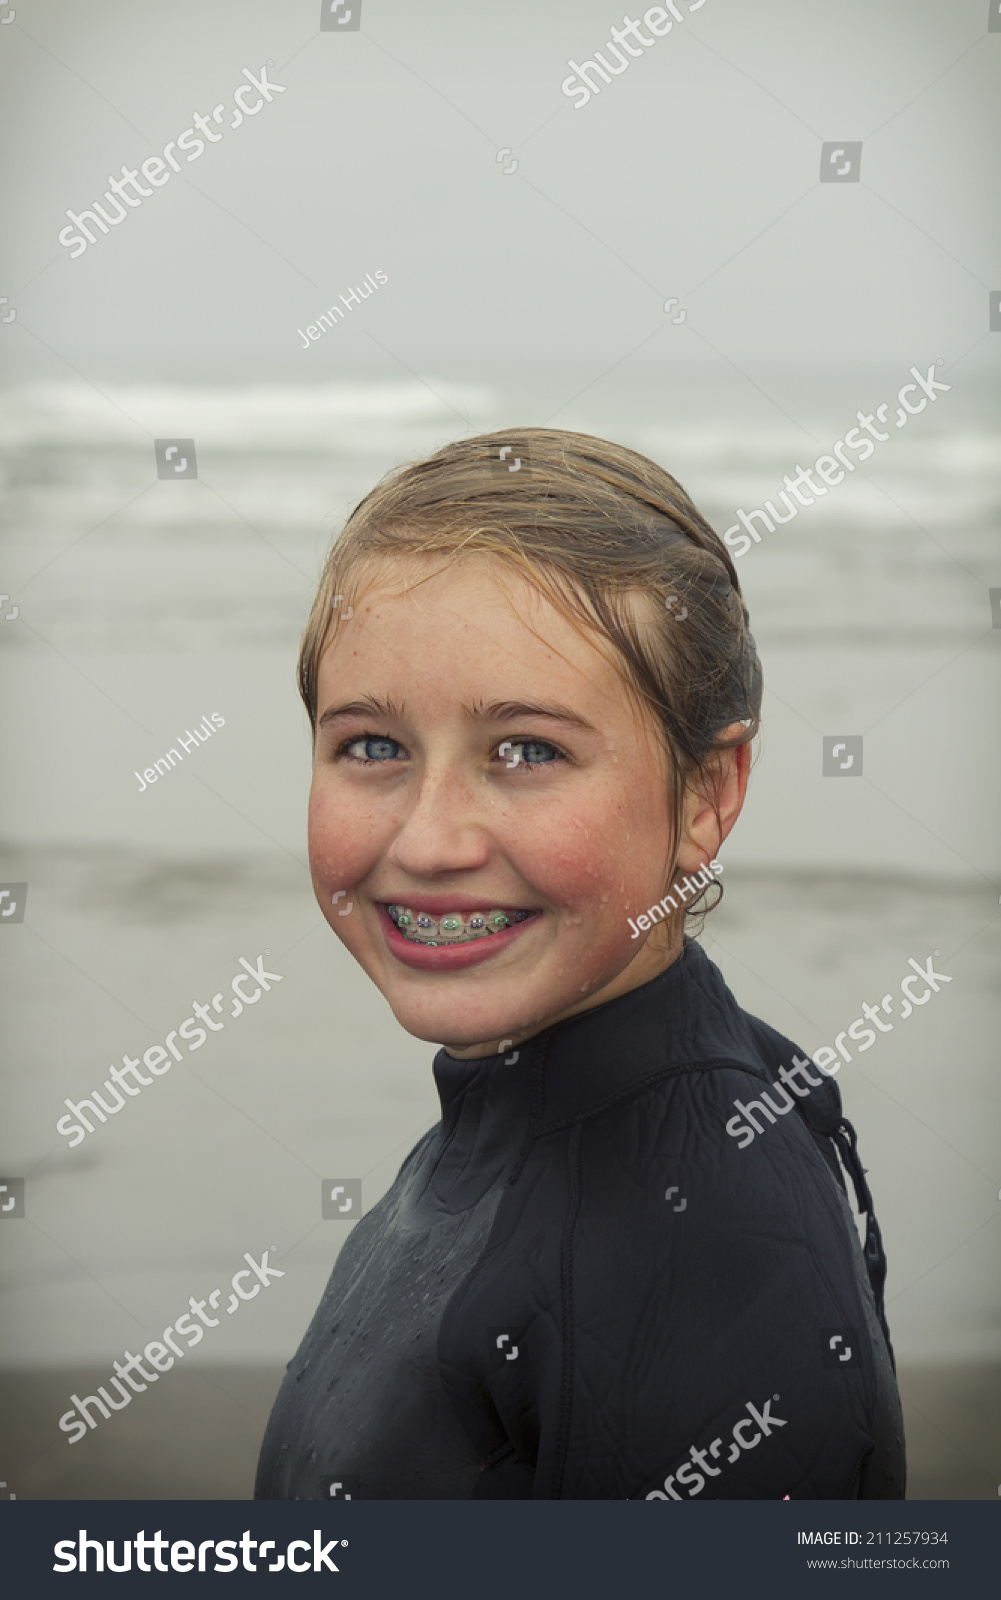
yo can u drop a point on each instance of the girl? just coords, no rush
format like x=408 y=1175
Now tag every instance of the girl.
x=533 y=690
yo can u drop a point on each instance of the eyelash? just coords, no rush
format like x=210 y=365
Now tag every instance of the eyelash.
x=343 y=752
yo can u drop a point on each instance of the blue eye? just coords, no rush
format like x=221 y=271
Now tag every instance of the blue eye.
x=371 y=748
x=536 y=751
x=530 y=753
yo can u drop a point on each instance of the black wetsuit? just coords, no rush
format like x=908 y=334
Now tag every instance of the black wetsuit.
x=581 y=1286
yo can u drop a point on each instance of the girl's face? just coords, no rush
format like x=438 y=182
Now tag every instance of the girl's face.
x=478 y=764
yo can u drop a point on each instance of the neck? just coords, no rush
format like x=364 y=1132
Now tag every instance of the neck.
x=648 y=963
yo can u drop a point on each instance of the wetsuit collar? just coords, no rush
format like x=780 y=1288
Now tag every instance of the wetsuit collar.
x=684 y=1015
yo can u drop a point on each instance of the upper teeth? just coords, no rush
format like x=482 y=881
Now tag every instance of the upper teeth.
x=454 y=927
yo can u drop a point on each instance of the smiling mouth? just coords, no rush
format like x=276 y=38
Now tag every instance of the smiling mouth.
x=454 y=927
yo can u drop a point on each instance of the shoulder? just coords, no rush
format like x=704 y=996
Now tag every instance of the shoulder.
x=730 y=1141
x=708 y=1275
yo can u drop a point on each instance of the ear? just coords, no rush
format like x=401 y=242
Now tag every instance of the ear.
x=714 y=802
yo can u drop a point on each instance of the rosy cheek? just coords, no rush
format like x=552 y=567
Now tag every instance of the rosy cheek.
x=345 y=843
x=330 y=844
x=579 y=858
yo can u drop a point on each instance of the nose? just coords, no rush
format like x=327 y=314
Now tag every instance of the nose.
x=443 y=831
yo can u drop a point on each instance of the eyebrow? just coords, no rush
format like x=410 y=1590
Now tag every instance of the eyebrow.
x=496 y=711
x=368 y=705
x=510 y=710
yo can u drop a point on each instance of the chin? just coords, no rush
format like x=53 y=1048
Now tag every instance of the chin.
x=446 y=1025
x=463 y=1019
x=460 y=1021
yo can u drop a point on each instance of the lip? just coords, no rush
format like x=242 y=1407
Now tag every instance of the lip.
x=456 y=957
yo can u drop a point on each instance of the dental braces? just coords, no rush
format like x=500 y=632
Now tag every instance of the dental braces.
x=420 y=928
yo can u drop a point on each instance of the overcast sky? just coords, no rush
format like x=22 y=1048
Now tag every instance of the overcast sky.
x=693 y=174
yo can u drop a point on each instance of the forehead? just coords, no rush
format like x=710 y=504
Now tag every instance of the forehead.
x=446 y=628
